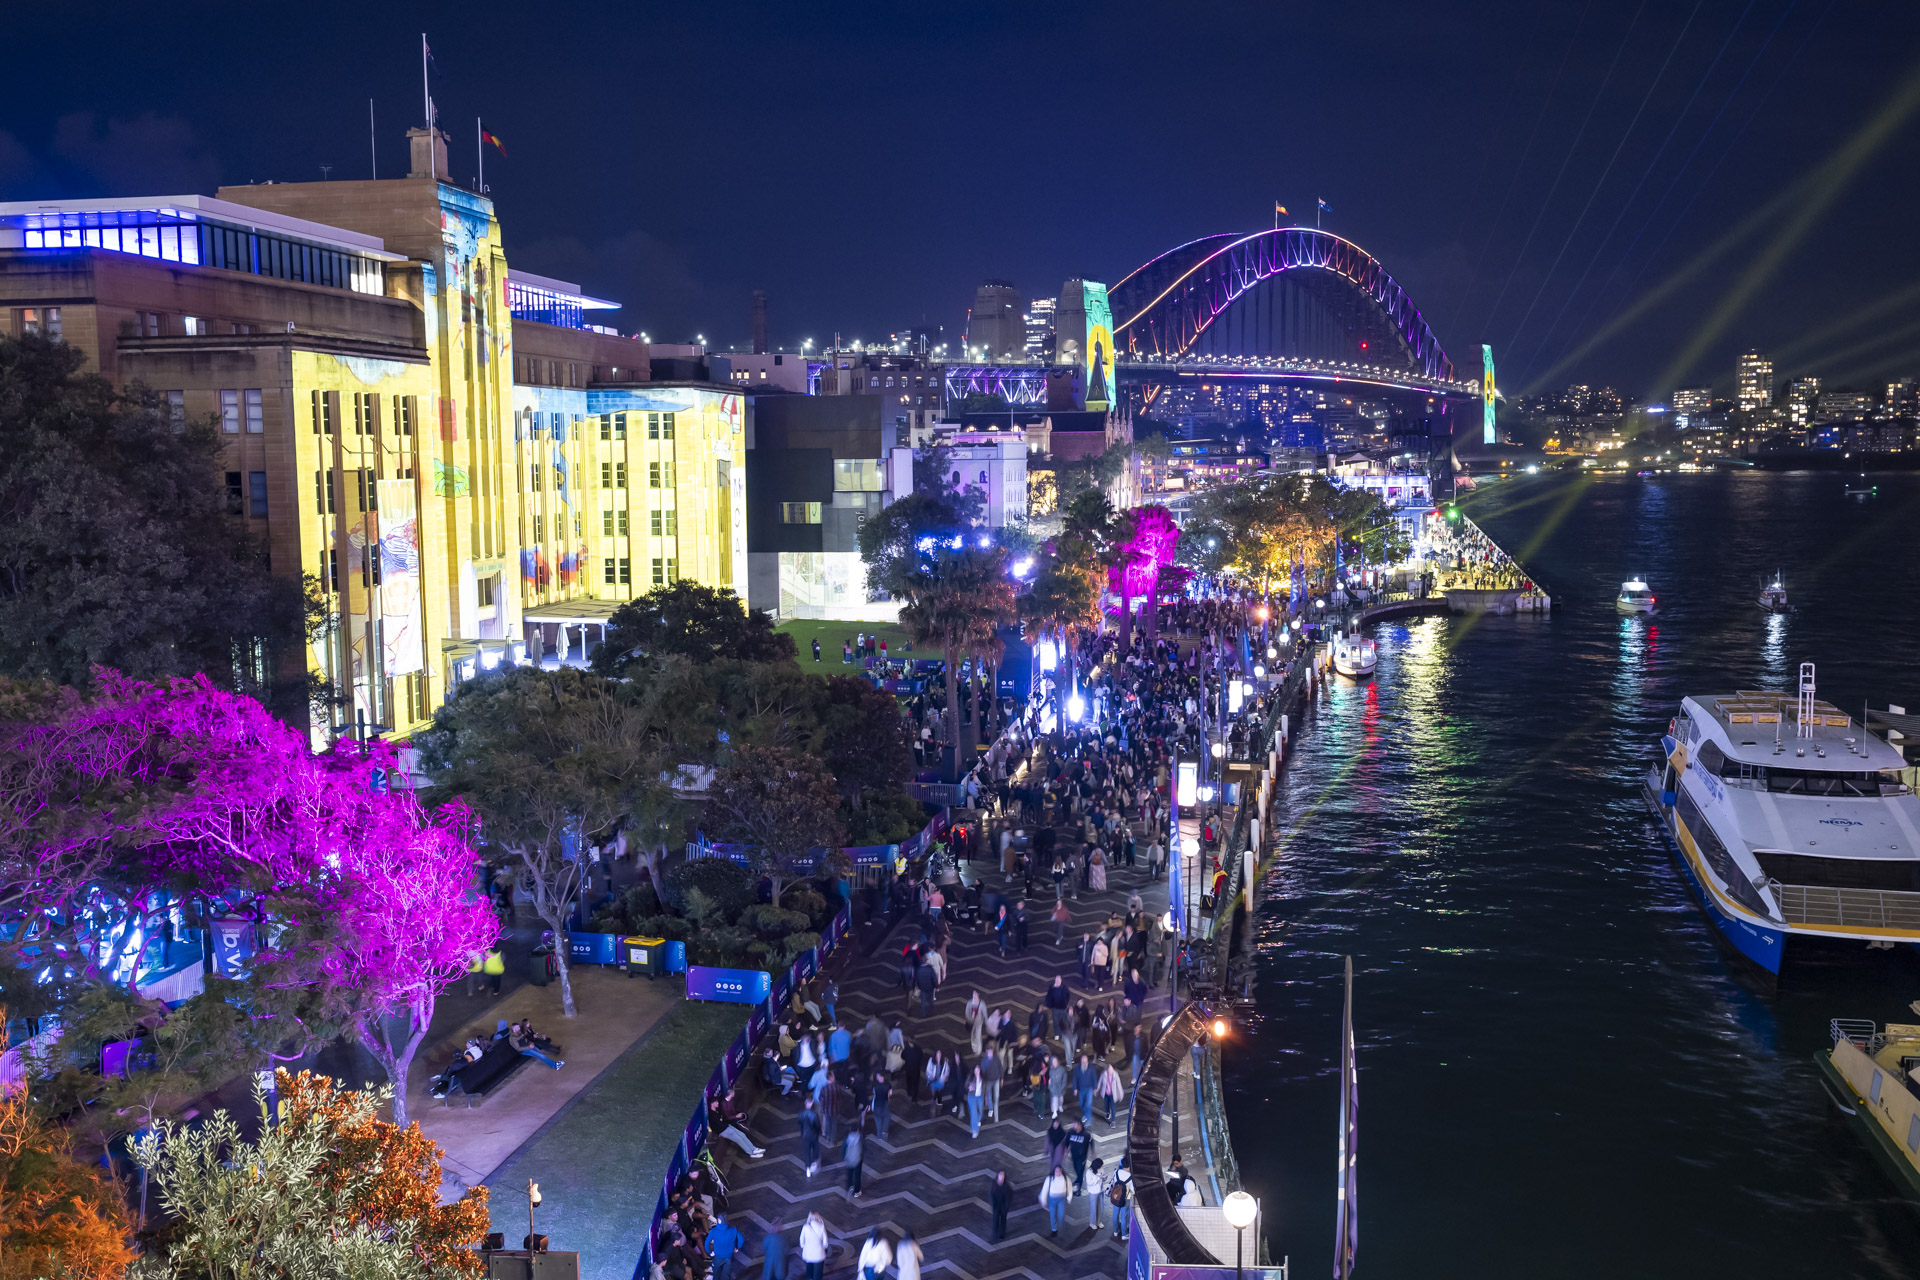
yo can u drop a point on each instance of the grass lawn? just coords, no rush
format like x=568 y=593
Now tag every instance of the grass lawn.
x=833 y=634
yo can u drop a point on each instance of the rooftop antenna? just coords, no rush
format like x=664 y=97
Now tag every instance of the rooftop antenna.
x=1804 y=729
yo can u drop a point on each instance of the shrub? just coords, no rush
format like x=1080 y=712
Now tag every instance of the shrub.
x=885 y=817
x=725 y=883
x=725 y=947
x=672 y=928
x=773 y=922
x=810 y=902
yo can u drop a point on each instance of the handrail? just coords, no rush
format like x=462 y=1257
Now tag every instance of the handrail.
x=1153 y=1207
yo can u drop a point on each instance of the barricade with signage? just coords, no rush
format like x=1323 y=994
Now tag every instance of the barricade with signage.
x=733 y=986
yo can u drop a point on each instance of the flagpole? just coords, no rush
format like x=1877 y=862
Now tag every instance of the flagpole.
x=426 y=98
x=373 y=141
x=480 y=154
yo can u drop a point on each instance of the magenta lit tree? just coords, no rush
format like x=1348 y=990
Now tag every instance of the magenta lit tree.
x=1145 y=539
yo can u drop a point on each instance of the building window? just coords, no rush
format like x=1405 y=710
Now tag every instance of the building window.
x=573 y=375
x=799 y=513
x=620 y=523
x=333 y=570
x=323 y=404
x=177 y=411
x=626 y=571
x=606 y=522
x=606 y=475
x=659 y=572
x=606 y=426
x=194 y=325
x=608 y=569
x=233 y=493
x=659 y=475
x=983 y=477
x=533 y=477
x=256 y=412
x=230 y=412
x=327 y=476
x=364 y=422
x=619 y=426
x=484 y=591
x=41 y=320
x=559 y=527
x=146 y=324
x=619 y=475
x=658 y=526
x=403 y=415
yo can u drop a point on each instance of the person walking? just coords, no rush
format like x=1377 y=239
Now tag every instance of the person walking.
x=1003 y=929
x=855 y=1155
x=992 y=1073
x=924 y=981
x=810 y=1137
x=1112 y=1090
x=976 y=1020
x=939 y=1070
x=495 y=967
x=1058 y=998
x=722 y=1243
x=1079 y=1147
x=813 y=1246
x=1055 y=1191
x=999 y=1200
x=1120 y=1196
x=976 y=1090
x=875 y=1256
x=906 y=1258
x=1056 y=1084
x=882 y=1103
x=773 y=1254
x=1086 y=1080
x=1061 y=918
x=1094 y=1187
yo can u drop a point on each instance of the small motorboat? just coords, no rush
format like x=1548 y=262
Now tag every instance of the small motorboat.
x=1773 y=596
x=1355 y=656
x=1635 y=597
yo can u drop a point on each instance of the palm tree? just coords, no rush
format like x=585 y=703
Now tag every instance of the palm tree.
x=958 y=601
x=1065 y=596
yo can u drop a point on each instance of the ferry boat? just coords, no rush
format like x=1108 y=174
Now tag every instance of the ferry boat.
x=1773 y=596
x=1791 y=823
x=1873 y=1077
x=1355 y=656
x=1635 y=597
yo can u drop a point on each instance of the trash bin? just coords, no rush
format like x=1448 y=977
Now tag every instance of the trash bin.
x=538 y=964
x=645 y=955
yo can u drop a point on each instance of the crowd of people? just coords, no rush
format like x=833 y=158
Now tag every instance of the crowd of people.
x=1061 y=817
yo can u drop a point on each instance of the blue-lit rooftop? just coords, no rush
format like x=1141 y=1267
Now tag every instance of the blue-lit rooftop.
x=543 y=300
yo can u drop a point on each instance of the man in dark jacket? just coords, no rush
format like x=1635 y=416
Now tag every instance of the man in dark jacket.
x=1000 y=1199
x=882 y=1097
x=1079 y=1147
x=810 y=1137
x=1058 y=998
x=923 y=980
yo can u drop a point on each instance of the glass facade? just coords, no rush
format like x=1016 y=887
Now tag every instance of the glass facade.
x=173 y=237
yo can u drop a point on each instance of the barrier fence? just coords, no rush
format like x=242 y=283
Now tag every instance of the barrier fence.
x=733 y=1063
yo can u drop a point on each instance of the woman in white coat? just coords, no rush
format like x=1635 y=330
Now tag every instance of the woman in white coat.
x=906 y=1258
x=813 y=1246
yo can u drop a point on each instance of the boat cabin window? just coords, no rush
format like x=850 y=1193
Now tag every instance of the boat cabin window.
x=1838 y=783
x=1902 y=875
x=1715 y=854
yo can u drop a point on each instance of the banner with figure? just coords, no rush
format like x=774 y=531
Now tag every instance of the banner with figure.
x=400 y=612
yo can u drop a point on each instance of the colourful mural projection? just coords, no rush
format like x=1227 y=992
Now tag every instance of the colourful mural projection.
x=573 y=566
x=1099 y=346
x=534 y=570
x=449 y=481
x=399 y=551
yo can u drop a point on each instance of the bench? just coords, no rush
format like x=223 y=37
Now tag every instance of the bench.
x=479 y=1078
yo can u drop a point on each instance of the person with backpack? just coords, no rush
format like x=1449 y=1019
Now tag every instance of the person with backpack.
x=1120 y=1196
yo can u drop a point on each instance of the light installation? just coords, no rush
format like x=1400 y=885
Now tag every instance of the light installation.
x=1487 y=395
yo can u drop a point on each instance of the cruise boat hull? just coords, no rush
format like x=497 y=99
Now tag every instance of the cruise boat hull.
x=1764 y=948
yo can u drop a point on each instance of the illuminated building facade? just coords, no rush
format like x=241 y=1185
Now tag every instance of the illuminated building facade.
x=1690 y=406
x=1753 y=382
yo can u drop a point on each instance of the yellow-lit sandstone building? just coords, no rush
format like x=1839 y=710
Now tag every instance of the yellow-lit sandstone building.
x=473 y=474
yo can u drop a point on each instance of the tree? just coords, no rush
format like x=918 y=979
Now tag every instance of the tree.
x=330 y=1192
x=782 y=805
x=691 y=621
x=958 y=600
x=905 y=534
x=117 y=546
x=58 y=1215
x=547 y=760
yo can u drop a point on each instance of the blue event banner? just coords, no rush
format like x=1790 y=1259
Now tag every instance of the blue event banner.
x=739 y=986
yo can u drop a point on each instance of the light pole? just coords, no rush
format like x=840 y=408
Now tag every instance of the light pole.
x=533 y=1199
x=1241 y=1209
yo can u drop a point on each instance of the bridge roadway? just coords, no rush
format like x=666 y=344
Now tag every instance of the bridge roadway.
x=1026 y=384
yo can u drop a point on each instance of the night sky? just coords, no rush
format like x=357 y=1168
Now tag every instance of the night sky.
x=1527 y=171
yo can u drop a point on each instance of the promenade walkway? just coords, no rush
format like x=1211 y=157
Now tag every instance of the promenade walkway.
x=929 y=1177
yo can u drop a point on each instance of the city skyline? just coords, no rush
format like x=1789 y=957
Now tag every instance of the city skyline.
x=678 y=200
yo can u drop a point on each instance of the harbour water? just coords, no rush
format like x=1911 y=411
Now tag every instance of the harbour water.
x=1560 y=1072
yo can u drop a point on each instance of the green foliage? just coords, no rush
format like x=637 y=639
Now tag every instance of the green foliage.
x=889 y=540
x=688 y=620
x=672 y=928
x=725 y=883
x=983 y=402
x=725 y=946
x=810 y=902
x=116 y=543
x=888 y=817
x=780 y=804
x=772 y=922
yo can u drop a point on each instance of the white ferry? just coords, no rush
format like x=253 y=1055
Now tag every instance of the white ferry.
x=1355 y=656
x=1635 y=597
x=1790 y=822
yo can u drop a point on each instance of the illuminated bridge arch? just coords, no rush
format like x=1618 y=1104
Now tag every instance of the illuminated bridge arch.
x=1292 y=293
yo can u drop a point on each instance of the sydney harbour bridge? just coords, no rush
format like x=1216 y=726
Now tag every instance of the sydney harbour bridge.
x=1292 y=303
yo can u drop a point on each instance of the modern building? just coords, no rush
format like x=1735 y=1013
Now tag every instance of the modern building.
x=1753 y=382
x=444 y=445
x=1690 y=406
x=754 y=372
x=1802 y=400
x=1903 y=398
x=996 y=328
x=1038 y=323
x=817 y=466
x=1844 y=406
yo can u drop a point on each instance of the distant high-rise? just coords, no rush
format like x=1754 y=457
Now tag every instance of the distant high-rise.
x=1690 y=405
x=1903 y=398
x=1844 y=406
x=1039 y=344
x=759 y=322
x=1802 y=395
x=1753 y=382
x=997 y=331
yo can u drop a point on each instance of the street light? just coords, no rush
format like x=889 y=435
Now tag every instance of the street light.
x=1241 y=1209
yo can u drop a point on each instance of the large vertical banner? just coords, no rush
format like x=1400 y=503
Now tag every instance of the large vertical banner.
x=400 y=612
x=1487 y=395
x=1099 y=346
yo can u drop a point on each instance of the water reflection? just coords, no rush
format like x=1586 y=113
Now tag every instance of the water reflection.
x=1773 y=651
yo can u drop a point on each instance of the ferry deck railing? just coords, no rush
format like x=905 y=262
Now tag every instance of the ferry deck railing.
x=1848 y=908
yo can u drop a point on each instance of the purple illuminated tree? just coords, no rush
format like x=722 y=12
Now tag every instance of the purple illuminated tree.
x=1144 y=539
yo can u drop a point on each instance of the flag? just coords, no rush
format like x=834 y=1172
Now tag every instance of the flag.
x=1326 y=206
x=488 y=136
x=1279 y=208
x=1347 y=1215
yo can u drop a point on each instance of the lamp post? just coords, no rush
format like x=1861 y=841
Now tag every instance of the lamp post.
x=533 y=1199
x=1241 y=1209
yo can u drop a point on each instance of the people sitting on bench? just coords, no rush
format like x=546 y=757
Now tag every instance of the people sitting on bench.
x=521 y=1036
x=726 y=1118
